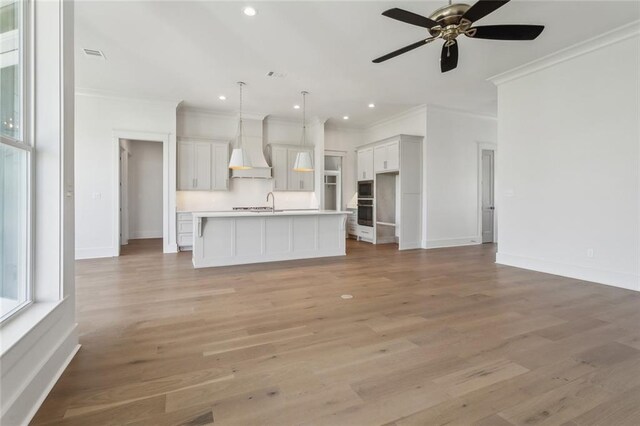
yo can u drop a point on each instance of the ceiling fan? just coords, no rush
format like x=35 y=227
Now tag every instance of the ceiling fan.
x=453 y=20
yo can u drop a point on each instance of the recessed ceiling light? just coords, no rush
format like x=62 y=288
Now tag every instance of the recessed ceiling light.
x=346 y=117
x=296 y=107
x=222 y=97
x=372 y=105
x=249 y=11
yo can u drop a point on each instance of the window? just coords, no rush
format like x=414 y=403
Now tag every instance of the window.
x=15 y=163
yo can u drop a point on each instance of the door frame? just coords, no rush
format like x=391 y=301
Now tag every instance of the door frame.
x=168 y=189
x=489 y=147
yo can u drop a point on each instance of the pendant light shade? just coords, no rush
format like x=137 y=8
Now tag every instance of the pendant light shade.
x=303 y=162
x=239 y=156
x=239 y=159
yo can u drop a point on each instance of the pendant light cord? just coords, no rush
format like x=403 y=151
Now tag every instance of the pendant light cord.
x=304 y=118
x=240 y=83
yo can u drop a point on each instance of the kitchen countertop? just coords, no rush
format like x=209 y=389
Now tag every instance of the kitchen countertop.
x=269 y=213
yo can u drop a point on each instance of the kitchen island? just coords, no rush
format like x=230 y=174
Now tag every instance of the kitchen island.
x=235 y=238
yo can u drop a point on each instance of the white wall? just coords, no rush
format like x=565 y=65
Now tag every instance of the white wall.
x=568 y=163
x=452 y=175
x=145 y=189
x=39 y=342
x=98 y=119
x=245 y=192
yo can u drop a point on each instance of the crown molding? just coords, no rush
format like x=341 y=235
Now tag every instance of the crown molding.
x=105 y=94
x=460 y=111
x=619 y=34
x=190 y=110
x=411 y=111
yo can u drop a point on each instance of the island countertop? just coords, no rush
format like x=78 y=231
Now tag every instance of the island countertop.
x=269 y=213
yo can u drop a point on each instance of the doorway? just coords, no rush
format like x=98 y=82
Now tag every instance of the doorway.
x=487 y=195
x=332 y=183
x=141 y=191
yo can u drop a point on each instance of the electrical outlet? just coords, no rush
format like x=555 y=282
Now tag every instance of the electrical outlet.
x=590 y=252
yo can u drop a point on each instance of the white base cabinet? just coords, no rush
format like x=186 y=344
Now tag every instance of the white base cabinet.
x=184 y=226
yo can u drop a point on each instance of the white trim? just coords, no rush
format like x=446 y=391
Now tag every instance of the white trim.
x=81 y=91
x=411 y=111
x=584 y=273
x=94 y=253
x=461 y=112
x=621 y=33
x=142 y=235
x=168 y=186
x=491 y=147
x=51 y=384
x=454 y=242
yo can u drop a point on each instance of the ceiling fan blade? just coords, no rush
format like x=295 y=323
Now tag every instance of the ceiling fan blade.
x=403 y=50
x=449 y=56
x=410 y=18
x=482 y=8
x=506 y=32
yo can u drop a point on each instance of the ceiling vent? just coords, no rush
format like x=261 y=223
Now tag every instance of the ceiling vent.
x=276 y=74
x=94 y=53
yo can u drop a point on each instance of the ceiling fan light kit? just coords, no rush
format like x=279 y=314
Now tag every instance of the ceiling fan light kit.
x=450 y=22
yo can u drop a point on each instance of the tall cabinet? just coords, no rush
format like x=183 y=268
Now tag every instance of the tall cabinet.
x=395 y=167
x=203 y=165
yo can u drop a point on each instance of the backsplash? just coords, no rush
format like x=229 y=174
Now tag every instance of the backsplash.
x=242 y=193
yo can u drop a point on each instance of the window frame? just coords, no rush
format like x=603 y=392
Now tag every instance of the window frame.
x=25 y=143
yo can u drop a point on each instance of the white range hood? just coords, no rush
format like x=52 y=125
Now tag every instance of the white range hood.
x=252 y=144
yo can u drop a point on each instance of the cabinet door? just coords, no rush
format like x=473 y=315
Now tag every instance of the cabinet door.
x=202 y=166
x=365 y=164
x=308 y=177
x=186 y=164
x=296 y=180
x=279 y=168
x=393 y=156
x=220 y=170
x=380 y=158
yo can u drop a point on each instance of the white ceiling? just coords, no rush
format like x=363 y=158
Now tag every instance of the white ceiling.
x=195 y=51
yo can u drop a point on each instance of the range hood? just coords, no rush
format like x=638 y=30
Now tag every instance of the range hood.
x=252 y=144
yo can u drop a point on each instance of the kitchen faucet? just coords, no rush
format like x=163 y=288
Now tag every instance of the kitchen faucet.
x=273 y=201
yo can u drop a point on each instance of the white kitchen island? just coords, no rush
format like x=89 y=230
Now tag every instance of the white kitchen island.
x=235 y=238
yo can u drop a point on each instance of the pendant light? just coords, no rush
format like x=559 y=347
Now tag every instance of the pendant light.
x=303 y=159
x=239 y=156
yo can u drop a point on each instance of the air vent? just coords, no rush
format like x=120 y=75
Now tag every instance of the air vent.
x=276 y=74
x=94 y=53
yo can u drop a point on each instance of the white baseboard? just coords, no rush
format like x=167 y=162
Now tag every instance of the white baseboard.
x=22 y=410
x=143 y=235
x=453 y=242
x=600 y=276
x=94 y=253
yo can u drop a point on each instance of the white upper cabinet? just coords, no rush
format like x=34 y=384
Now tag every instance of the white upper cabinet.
x=365 y=164
x=283 y=158
x=203 y=166
x=299 y=181
x=387 y=157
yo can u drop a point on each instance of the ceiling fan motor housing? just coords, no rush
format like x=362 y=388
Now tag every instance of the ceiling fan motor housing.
x=447 y=16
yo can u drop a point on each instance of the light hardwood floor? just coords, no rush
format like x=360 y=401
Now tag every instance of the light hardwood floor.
x=430 y=338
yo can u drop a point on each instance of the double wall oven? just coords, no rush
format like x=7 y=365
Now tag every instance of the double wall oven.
x=365 y=203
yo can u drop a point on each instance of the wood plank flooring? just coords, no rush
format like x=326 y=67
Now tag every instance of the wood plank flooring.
x=430 y=338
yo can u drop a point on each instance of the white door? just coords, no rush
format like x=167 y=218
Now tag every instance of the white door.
x=488 y=208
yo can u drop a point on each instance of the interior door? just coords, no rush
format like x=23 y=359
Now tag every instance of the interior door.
x=488 y=209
